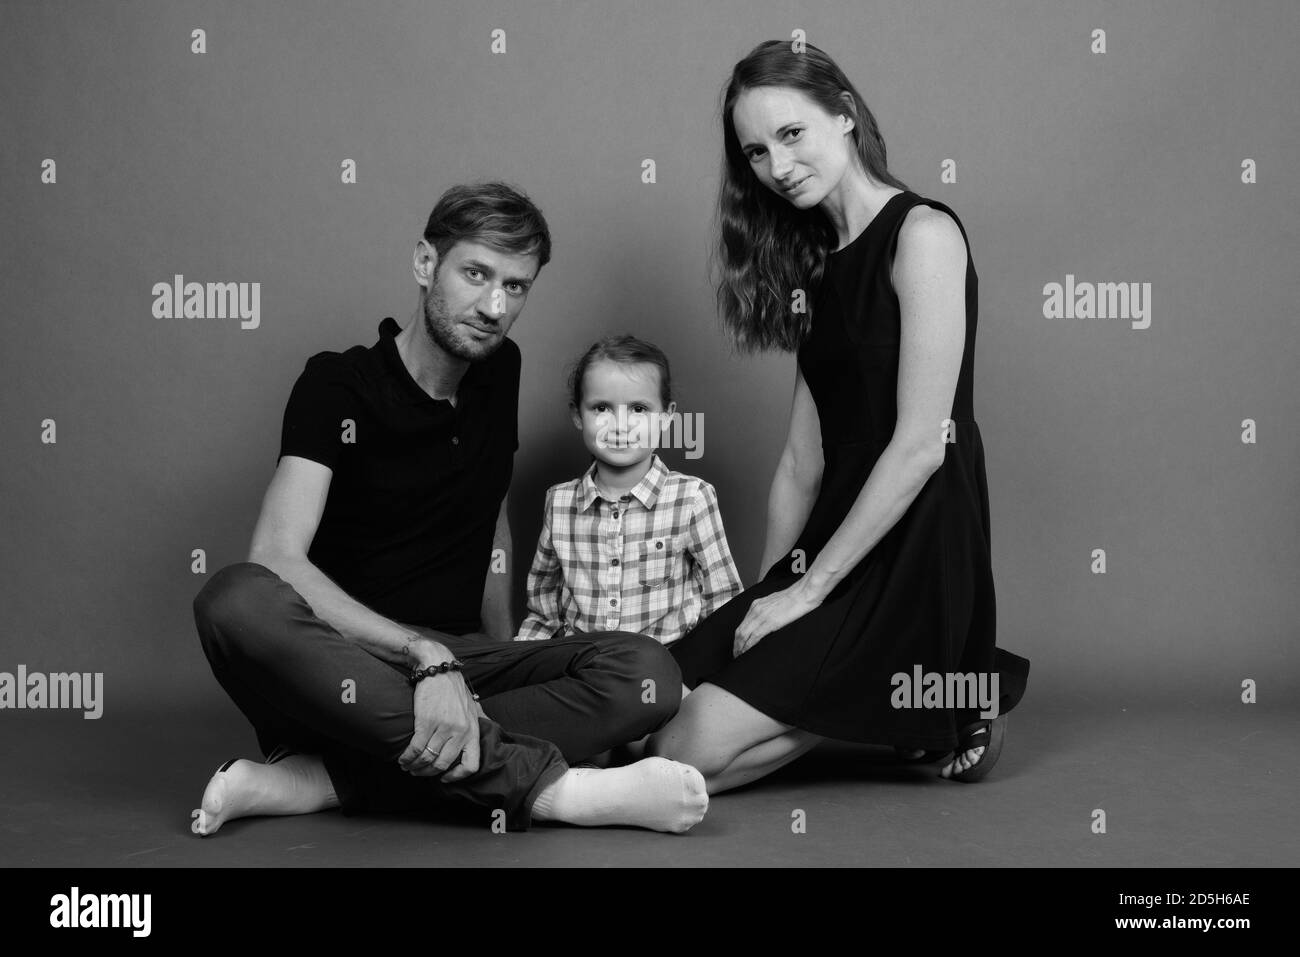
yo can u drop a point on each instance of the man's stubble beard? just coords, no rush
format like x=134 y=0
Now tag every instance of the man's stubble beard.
x=441 y=328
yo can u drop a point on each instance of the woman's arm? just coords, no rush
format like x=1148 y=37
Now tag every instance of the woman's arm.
x=798 y=477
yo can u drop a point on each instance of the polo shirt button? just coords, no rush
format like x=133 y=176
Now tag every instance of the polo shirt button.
x=613 y=602
x=455 y=440
x=616 y=513
x=613 y=561
x=659 y=544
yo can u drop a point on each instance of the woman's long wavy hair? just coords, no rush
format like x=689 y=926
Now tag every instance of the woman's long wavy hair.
x=766 y=247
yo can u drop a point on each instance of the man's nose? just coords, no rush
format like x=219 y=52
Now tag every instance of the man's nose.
x=494 y=303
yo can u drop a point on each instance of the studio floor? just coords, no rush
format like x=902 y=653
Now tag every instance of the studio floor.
x=1180 y=786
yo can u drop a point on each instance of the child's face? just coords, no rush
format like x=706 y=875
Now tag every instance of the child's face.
x=622 y=418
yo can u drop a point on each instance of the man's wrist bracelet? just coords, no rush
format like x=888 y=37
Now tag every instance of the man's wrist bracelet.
x=418 y=674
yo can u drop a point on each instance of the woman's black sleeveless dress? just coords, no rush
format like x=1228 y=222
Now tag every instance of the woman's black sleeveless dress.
x=923 y=596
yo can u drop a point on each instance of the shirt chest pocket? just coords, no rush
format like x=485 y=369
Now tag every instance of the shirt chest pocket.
x=656 y=561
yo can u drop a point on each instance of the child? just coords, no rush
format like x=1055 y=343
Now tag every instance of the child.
x=630 y=545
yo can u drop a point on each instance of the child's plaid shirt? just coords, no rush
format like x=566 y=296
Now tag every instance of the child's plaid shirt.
x=655 y=562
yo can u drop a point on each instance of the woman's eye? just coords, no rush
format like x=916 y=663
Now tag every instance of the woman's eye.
x=792 y=132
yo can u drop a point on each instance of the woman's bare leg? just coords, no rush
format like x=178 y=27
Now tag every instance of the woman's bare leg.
x=729 y=741
x=762 y=759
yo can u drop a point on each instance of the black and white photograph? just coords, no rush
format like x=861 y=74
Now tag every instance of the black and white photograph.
x=609 y=434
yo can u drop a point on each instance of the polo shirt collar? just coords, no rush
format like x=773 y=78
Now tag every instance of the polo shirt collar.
x=474 y=377
x=645 y=491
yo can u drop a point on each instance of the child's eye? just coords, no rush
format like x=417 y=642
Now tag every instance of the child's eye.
x=640 y=408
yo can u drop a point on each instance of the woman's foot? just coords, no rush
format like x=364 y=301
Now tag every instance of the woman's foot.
x=962 y=762
x=297 y=784
x=979 y=746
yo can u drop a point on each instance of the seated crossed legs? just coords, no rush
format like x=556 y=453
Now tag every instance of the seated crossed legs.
x=345 y=719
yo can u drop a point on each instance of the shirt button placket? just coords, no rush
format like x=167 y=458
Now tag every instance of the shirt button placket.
x=457 y=427
x=615 y=573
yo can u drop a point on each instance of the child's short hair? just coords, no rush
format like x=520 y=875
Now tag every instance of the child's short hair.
x=628 y=350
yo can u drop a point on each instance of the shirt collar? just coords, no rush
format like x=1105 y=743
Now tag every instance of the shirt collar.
x=645 y=491
x=475 y=376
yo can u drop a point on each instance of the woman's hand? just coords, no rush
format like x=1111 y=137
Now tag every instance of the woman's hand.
x=771 y=612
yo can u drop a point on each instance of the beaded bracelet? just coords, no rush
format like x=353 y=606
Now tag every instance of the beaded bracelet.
x=439 y=669
x=418 y=674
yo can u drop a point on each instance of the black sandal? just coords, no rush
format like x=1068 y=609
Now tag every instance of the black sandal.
x=986 y=734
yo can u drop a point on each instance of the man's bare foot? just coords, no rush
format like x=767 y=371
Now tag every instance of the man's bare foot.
x=654 y=793
x=298 y=784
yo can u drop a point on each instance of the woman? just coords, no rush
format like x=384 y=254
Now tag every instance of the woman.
x=877 y=551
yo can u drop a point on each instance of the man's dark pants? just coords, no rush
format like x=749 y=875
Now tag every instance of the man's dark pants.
x=548 y=703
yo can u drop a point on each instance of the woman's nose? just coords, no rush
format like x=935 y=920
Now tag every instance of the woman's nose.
x=782 y=164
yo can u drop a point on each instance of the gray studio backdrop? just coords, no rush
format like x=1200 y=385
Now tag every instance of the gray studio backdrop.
x=1122 y=166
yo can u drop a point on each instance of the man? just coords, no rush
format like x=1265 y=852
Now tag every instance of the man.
x=352 y=638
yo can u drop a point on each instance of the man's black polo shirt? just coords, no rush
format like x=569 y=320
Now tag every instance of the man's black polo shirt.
x=417 y=485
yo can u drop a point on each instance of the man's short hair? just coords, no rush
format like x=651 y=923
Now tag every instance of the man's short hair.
x=495 y=214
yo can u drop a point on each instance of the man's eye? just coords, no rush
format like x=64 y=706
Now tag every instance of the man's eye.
x=474 y=273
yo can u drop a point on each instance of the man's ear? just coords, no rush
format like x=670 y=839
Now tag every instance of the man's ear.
x=424 y=263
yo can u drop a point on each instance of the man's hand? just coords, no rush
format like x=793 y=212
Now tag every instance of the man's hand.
x=446 y=727
x=771 y=612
